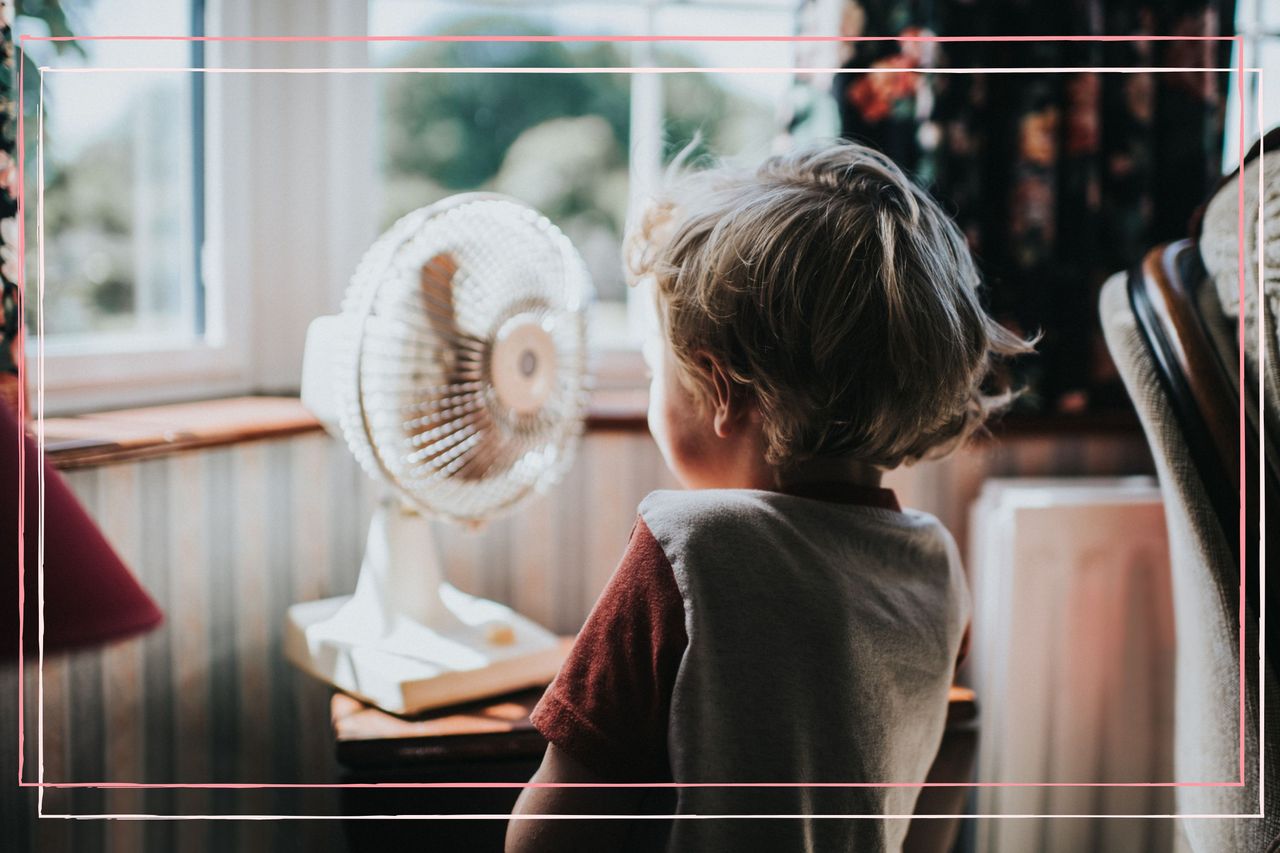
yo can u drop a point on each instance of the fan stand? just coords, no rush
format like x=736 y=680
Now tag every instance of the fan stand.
x=406 y=640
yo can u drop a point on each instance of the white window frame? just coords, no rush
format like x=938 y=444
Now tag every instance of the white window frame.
x=279 y=268
x=258 y=300
x=92 y=374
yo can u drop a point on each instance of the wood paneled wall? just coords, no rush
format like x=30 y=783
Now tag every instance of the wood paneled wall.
x=225 y=539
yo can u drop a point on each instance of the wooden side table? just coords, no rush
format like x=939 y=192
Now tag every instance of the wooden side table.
x=486 y=741
x=493 y=741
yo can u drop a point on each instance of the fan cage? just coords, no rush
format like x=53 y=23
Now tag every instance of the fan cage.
x=417 y=405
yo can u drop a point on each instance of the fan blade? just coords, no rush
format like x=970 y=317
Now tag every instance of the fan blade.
x=436 y=286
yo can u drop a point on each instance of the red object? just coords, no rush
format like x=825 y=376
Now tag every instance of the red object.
x=90 y=597
x=609 y=704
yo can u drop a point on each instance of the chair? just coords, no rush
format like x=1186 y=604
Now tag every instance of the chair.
x=1168 y=327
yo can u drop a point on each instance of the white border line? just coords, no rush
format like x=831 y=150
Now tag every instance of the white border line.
x=599 y=70
x=618 y=69
x=39 y=440
x=505 y=816
x=1262 y=457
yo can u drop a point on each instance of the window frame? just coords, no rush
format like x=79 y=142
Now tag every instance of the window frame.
x=79 y=375
x=259 y=147
x=246 y=346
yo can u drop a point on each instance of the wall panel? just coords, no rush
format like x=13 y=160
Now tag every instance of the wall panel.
x=225 y=539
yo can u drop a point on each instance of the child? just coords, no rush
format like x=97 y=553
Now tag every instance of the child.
x=783 y=620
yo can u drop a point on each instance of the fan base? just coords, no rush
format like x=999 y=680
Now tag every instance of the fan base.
x=489 y=650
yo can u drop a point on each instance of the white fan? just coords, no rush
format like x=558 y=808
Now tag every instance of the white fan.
x=456 y=374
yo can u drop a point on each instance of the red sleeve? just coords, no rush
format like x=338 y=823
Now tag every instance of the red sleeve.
x=609 y=704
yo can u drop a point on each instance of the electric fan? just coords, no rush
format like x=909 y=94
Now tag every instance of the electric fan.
x=455 y=372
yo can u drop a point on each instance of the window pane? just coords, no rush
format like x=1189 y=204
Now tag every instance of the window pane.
x=735 y=116
x=120 y=188
x=556 y=141
x=563 y=142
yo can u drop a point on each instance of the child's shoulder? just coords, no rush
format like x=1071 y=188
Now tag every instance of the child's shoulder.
x=693 y=515
x=704 y=511
x=704 y=504
x=711 y=505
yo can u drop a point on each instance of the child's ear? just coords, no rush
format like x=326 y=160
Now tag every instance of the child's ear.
x=728 y=403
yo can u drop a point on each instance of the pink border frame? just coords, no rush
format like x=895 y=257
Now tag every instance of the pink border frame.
x=1240 y=69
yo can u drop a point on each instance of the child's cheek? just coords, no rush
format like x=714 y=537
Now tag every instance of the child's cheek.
x=687 y=444
x=688 y=461
x=657 y=421
x=659 y=417
x=667 y=429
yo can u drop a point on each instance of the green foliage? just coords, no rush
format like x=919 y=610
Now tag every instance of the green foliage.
x=94 y=189
x=558 y=141
x=54 y=16
x=457 y=128
x=696 y=108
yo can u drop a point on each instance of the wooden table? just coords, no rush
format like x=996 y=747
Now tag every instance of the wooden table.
x=487 y=741
x=493 y=741
x=498 y=728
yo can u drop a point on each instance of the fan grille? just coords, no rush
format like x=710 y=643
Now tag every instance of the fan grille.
x=427 y=309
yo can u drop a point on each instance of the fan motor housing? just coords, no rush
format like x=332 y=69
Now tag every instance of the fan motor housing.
x=523 y=364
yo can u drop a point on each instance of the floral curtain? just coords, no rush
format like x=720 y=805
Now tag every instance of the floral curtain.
x=1058 y=179
x=10 y=297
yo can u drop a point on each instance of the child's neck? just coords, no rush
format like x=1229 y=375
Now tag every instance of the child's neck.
x=738 y=462
x=846 y=471
x=772 y=478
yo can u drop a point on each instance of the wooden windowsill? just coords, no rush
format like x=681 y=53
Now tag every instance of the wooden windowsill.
x=104 y=438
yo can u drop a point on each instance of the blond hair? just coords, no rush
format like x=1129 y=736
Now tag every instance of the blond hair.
x=834 y=291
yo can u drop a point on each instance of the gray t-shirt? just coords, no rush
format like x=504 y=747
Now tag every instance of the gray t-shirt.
x=822 y=640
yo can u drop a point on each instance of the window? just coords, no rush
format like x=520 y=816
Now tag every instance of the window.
x=123 y=188
x=1258 y=24
x=196 y=223
x=582 y=147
